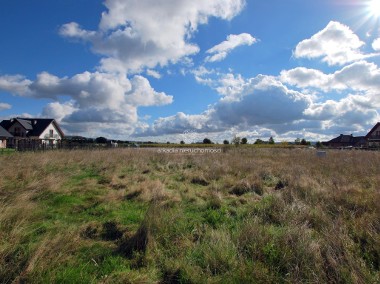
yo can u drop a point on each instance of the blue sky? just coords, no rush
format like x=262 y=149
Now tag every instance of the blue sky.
x=158 y=70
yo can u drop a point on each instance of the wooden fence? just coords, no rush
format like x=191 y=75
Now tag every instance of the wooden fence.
x=38 y=145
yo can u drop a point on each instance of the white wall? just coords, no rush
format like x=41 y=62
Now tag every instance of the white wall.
x=3 y=143
x=46 y=133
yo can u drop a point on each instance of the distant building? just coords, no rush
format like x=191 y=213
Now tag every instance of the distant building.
x=46 y=130
x=4 y=135
x=373 y=137
x=371 y=140
x=343 y=141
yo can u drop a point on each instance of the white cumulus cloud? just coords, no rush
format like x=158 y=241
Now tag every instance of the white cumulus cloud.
x=220 y=51
x=94 y=97
x=146 y=33
x=336 y=44
x=15 y=84
x=262 y=101
x=376 y=44
x=306 y=78
x=361 y=76
x=59 y=110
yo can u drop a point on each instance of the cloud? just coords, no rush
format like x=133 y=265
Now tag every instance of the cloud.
x=220 y=51
x=164 y=12
x=73 y=30
x=353 y=113
x=336 y=44
x=361 y=76
x=228 y=85
x=265 y=104
x=5 y=106
x=376 y=44
x=262 y=101
x=59 y=110
x=356 y=111
x=133 y=37
x=306 y=78
x=138 y=34
x=94 y=97
x=91 y=89
x=176 y=124
x=15 y=84
x=153 y=74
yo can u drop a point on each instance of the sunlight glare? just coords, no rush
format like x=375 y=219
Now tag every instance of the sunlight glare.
x=374 y=8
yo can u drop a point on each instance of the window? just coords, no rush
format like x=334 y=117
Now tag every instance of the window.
x=17 y=131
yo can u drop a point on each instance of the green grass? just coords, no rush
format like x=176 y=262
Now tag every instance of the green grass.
x=4 y=151
x=248 y=215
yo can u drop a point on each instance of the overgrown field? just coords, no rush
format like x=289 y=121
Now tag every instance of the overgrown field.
x=242 y=216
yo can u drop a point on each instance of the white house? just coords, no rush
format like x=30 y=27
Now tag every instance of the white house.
x=45 y=129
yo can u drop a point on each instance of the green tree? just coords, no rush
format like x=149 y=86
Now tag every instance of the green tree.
x=207 y=141
x=236 y=140
x=182 y=142
x=101 y=140
x=244 y=141
x=226 y=142
x=259 y=141
x=271 y=140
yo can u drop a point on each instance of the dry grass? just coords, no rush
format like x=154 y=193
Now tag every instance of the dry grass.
x=136 y=216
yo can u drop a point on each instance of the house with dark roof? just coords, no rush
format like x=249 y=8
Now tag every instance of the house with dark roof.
x=46 y=130
x=4 y=135
x=373 y=136
x=347 y=141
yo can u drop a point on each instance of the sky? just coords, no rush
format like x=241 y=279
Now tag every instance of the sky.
x=172 y=70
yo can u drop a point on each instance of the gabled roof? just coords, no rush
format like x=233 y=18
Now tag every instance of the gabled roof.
x=4 y=133
x=35 y=126
x=372 y=130
x=23 y=122
x=5 y=124
x=347 y=140
x=38 y=125
x=342 y=139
